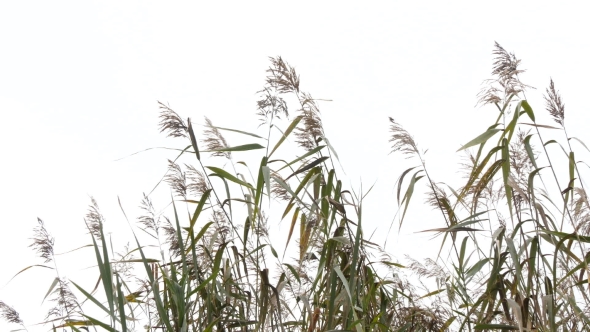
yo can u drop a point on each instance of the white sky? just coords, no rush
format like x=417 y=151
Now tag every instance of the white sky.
x=79 y=83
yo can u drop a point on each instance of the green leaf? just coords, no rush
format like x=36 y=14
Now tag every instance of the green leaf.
x=432 y=293
x=199 y=209
x=245 y=147
x=291 y=127
x=99 y=323
x=506 y=172
x=393 y=264
x=293 y=271
x=476 y=268
x=331 y=148
x=503 y=327
x=584 y=145
x=408 y=194
x=550 y=142
x=528 y=109
x=572 y=167
x=308 y=166
x=309 y=153
x=515 y=258
x=342 y=239
x=539 y=125
x=203 y=231
x=480 y=139
x=55 y=281
x=448 y=323
x=400 y=180
x=532 y=263
x=512 y=125
x=462 y=255
x=121 y=303
x=91 y=298
x=529 y=150
x=293 y=222
x=239 y=132
x=347 y=288
x=222 y=173
x=155 y=286
x=477 y=171
x=266 y=174
x=274 y=252
x=193 y=139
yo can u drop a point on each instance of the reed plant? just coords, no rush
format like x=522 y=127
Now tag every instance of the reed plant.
x=513 y=238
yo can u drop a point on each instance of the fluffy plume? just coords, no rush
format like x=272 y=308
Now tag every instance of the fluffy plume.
x=94 y=219
x=282 y=76
x=553 y=104
x=278 y=191
x=9 y=314
x=43 y=242
x=310 y=135
x=271 y=104
x=176 y=179
x=65 y=301
x=281 y=79
x=171 y=122
x=214 y=140
x=196 y=181
x=148 y=219
x=402 y=140
x=171 y=238
x=506 y=83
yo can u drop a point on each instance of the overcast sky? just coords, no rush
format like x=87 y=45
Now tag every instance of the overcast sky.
x=80 y=81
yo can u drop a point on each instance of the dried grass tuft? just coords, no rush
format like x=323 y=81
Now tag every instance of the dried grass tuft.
x=402 y=140
x=94 y=219
x=506 y=84
x=310 y=135
x=176 y=179
x=171 y=237
x=197 y=185
x=214 y=140
x=553 y=104
x=282 y=76
x=171 y=122
x=148 y=219
x=66 y=303
x=43 y=242
x=9 y=314
x=271 y=105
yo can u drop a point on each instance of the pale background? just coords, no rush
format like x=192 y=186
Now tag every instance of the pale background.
x=79 y=83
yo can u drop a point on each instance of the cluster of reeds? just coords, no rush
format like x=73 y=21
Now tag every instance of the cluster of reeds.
x=516 y=231
x=515 y=254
